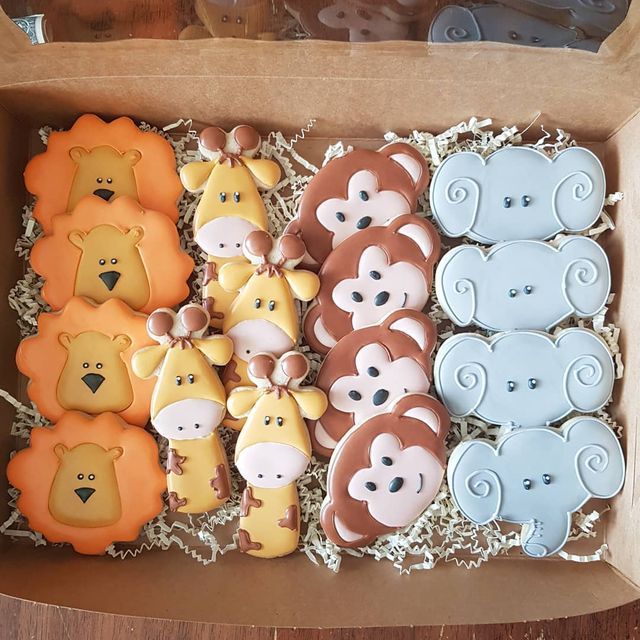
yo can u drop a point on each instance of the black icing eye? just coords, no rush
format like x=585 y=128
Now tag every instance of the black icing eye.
x=221 y=245
x=196 y=425
x=532 y=383
x=238 y=20
x=546 y=478
x=80 y=476
x=375 y=275
x=381 y=298
x=513 y=293
x=364 y=196
x=267 y=419
x=236 y=197
x=356 y=297
x=92 y=476
x=223 y=196
x=278 y=475
x=340 y=216
x=237 y=245
x=102 y=261
x=373 y=372
x=98 y=365
x=525 y=201
x=386 y=461
x=272 y=305
x=180 y=428
x=225 y=18
x=526 y=483
x=371 y=486
x=85 y=365
x=528 y=290
x=355 y=395
x=257 y=303
x=506 y=203
x=511 y=385
x=191 y=378
x=364 y=222
x=513 y=35
x=114 y=261
x=260 y=475
x=280 y=421
x=535 y=39
x=99 y=180
x=178 y=380
x=109 y=180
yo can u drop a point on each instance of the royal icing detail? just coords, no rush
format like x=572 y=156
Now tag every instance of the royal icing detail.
x=234 y=19
x=106 y=160
x=112 y=250
x=369 y=369
x=362 y=189
x=496 y=23
x=524 y=378
x=537 y=477
x=370 y=275
x=80 y=360
x=385 y=472
x=517 y=193
x=230 y=206
x=88 y=481
x=188 y=404
x=264 y=313
x=273 y=450
x=523 y=284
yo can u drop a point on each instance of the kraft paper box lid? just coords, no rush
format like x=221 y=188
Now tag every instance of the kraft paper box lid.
x=355 y=91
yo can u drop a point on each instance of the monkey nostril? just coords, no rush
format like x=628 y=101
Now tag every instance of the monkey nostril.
x=364 y=222
x=380 y=397
x=396 y=484
x=381 y=298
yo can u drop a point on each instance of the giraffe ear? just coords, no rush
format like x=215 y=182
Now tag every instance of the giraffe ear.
x=146 y=361
x=241 y=401
x=234 y=275
x=304 y=284
x=218 y=349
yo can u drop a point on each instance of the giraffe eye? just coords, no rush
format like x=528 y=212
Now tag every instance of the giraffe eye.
x=272 y=305
x=257 y=303
x=267 y=420
x=178 y=380
x=223 y=196
x=280 y=421
x=191 y=378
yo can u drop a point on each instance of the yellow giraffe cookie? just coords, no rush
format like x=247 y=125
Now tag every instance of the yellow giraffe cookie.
x=230 y=206
x=188 y=404
x=273 y=450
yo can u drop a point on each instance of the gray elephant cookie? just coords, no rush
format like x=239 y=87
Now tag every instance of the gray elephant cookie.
x=537 y=478
x=497 y=23
x=523 y=284
x=524 y=378
x=517 y=193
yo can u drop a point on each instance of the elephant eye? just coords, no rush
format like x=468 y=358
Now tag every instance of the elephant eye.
x=506 y=203
x=91 y=476
x=513 y=293
x=373 y=372
x=180 y=428
x=178 y=380
x=356 y=297
x=535 y=39
x=236 y=197
x=364 y=196
x=340 y=216
x=526 y=483
x=386 y=461
x=85 y=365
x=223 y=196
x=280 y=421
x=513 y=35
x=525 y=201
x=355 y=395
x=533 y=383
x=528 y=290
x=546 y=478
x=80 y=476
x=191 y=378
x=272 y=305
x=370 y=485
x=511 y=385
x=257 y=303
x=267 y=419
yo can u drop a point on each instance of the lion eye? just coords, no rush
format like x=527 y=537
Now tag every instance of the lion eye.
x=85 y=365
x=102 y=261
x=99 y=180
x=98 y=365
x=80 y=476
x=114 y=261
x=109 y=180
x=371 y=486
x=91 y=476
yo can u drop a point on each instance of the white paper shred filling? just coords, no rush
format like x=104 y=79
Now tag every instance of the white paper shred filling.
x=441 y=533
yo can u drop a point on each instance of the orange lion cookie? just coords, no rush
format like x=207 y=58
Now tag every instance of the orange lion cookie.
x=80 y=360
x=109 y=250
x=88 y=481
x=105 y=159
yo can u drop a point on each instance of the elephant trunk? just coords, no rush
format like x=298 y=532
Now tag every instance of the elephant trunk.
x=542 y=538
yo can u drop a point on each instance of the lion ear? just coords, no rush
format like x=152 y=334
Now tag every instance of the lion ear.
x=133 y=156
x=60 y=450
x=65 y=339
x=77 y=154
x=115 y=453
x=122 y=341
x=135 y=234
x=77 y=237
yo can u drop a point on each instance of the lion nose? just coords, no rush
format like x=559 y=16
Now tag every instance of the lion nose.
x=364 y=222
x=93 y=381
x=84 y=493
x=396 y=484
x=110 y=278
x=105 y=194
x=380 y=397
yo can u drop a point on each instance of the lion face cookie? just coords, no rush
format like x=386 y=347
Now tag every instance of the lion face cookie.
x=385 y=472
x=369 y=369
x=113 y=250
x=80 y=360
x=88 y=481
x=370 y=275
x=357 y=191
x=107 y=160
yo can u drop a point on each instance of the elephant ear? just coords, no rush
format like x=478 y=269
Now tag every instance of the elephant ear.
x=589 y=373
x=460 y=373
x=578 y=188
x=598 y=457
x=586 y=280
x=474 y=480
x=455 y=24
x=455 y=193
x=455 y=286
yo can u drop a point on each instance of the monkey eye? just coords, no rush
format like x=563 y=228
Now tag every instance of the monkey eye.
x=371 y=486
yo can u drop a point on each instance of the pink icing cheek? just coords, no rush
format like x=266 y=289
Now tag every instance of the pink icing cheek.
x=223 y=237
x=271 y=465
x=188 y=419
x=257 y=336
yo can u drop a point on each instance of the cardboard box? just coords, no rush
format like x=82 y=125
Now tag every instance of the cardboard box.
x=353 y=91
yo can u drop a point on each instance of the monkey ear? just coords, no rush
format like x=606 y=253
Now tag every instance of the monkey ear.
x=115 y=453
x=133 y=156
x=65 y=339
x=77 y=154
x=122 y=341
x=135 y=234
x=77 y=237
x=60 y=450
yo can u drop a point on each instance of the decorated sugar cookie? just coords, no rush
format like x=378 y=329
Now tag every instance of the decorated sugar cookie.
x=362 y=189
x=88 y=481
x=264 y=315
x=107 y=160
x=517 y=193
x=188 y=404
x=523 y=284
x=537 y=477
x=113 y=250
x=273 y=450
x=230 y=206
x=385 y=472
x=371 y=274
x=369 y=369
x=524 y=378
x=80 y=360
